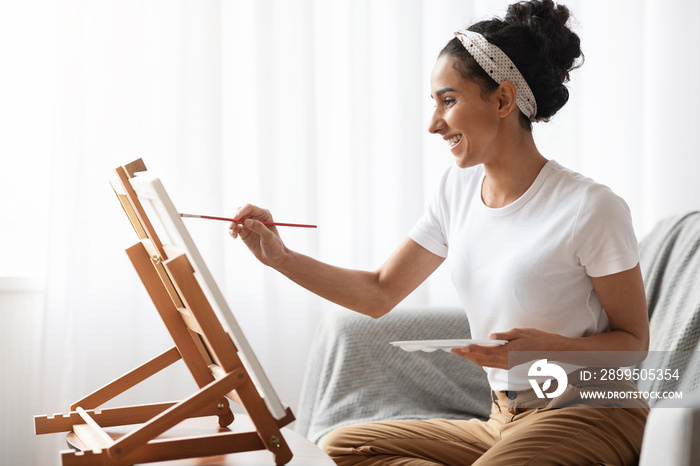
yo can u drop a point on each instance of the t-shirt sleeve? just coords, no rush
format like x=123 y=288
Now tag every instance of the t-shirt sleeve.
x=430 y=230
x=603 y=238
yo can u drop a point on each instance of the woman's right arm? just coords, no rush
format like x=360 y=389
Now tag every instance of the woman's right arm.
x=373 y=293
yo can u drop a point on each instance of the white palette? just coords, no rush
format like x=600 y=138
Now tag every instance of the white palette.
x=445 y=345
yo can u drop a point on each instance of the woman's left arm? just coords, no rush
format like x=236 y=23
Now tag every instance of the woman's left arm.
x=624 y=300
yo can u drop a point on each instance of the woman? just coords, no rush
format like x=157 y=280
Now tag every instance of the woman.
x=542 y=257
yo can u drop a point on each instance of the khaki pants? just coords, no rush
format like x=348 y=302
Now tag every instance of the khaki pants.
x=560 y=434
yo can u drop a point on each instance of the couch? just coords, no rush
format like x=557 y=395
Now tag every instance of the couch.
x=354 y=375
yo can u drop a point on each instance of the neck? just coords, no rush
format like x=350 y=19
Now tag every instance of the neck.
x=511 y=173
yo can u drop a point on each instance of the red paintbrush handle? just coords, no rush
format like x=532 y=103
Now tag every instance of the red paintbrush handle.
x=299 y=225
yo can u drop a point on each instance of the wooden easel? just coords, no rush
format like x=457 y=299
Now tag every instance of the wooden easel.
x=201 y=342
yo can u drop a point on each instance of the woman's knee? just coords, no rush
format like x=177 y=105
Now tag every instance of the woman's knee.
x=342 y=441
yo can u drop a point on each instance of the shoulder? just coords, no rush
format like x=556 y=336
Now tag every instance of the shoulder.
x=581 y=189
x=598 y=213
x=566 y=178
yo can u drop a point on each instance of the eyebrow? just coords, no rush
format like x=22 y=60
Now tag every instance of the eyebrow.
x=442 y=91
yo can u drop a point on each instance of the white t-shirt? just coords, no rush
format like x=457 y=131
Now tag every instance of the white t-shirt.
x=528 y=264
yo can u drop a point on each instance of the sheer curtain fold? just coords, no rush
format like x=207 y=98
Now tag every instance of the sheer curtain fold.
x=317 y=110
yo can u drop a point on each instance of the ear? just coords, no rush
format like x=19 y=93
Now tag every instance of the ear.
x=506 y=94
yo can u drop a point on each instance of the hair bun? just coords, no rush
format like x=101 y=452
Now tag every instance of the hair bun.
x=536 y=38
x=559 y=46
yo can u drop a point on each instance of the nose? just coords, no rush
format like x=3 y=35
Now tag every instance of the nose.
x=436 y=123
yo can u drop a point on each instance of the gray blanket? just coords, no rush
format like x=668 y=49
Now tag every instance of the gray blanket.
x=670 y=260
x=355 y=375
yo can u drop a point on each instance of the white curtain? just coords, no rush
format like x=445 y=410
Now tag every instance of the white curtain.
x=317 y=110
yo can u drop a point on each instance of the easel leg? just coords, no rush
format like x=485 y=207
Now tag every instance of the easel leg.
x=128 y=380
x=265 y=424
x=120 y=450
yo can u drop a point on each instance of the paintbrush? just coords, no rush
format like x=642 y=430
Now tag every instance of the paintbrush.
x=278 y=224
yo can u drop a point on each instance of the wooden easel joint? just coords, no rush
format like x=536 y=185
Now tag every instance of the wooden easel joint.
x=275 y=441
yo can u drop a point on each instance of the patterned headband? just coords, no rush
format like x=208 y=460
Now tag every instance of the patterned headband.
x=497 y=64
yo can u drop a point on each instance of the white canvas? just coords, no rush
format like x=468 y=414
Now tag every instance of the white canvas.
x=172 y=232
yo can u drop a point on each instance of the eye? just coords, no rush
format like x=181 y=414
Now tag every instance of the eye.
x=448 y=101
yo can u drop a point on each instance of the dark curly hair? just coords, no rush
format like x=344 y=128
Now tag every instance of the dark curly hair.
x=536 y=38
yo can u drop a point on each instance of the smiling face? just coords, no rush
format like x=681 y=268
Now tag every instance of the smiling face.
x=466 y=119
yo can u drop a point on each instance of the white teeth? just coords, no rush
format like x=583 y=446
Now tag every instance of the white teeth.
x=454 y=140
